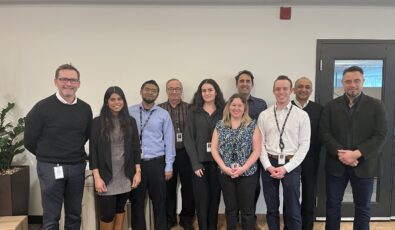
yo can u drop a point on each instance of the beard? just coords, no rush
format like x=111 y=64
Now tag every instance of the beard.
x=353 y=93
x=148 y=101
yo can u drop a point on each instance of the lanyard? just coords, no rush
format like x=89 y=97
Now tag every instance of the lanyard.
x=142 y=127
x=281 y=143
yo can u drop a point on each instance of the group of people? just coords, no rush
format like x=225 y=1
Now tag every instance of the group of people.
x=213 y=146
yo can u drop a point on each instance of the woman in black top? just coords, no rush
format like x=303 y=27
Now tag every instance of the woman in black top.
x=114 y=157
x=207 y=106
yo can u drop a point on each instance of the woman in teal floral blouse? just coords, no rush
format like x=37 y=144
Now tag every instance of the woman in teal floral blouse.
x=236 y=146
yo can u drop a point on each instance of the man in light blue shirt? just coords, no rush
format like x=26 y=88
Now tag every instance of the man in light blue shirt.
x=158 y=152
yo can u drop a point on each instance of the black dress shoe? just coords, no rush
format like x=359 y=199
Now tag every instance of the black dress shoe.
x=186 y=226
x=171 y=225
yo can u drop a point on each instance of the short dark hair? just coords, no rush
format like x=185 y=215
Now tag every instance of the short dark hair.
x=282 y=77
x=353 y=68
x=152 y=82
x=66 y=66
x=245 y=72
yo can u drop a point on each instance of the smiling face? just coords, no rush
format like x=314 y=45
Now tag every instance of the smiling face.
x=244 y=85
x=208 y=93
x=115 y=103
x=174 y=90
x=237 y=108
x=353 y=84
x=67 y=83
x=303 y=89
x=282 y=91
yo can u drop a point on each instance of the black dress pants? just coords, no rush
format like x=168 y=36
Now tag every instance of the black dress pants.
x=239 y=194
x=153 y=180
x=207 y=192
x=309 y=189
x=182 y=167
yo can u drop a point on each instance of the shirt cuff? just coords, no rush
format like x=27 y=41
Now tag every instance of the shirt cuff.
x=169 y=167
x=289 y=167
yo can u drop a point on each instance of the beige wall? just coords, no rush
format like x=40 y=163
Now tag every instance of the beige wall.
x=126 y=45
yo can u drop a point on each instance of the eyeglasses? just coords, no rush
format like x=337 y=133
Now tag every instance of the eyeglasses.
x=176 y=90
x=71 y=80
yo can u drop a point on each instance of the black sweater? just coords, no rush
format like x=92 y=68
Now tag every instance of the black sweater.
x=56 y=132
x=314 y=111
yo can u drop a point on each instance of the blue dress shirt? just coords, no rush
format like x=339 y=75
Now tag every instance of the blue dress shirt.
x=157 y=138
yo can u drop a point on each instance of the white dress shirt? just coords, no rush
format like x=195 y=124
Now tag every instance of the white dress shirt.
x=296 y=136
x=61 y=99
x=300 y=105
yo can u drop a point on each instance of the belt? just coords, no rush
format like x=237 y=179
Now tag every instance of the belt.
x=288 y=157
x=153 y=158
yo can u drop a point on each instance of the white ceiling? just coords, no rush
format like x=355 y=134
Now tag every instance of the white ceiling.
x=210 y=2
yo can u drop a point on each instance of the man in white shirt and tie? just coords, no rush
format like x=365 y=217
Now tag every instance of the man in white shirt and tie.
x=285 y=141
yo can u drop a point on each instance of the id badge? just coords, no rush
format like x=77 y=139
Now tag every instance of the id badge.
x=58 y=172
x=208 y=147
x=142 y=154
x=234 y=165
x=281 y=159
x=179 y=137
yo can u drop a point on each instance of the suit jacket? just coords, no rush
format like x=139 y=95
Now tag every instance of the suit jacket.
x=100 y=151
x=366 y=130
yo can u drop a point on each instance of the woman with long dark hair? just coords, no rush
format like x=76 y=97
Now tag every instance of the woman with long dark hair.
x=236 y=147
x=114 y=157
x=207 y=106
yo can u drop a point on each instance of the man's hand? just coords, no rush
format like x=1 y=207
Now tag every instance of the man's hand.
x=349 y=157
x=199 y=172
x=277 y=173
x=136 y=180
x=168 y=175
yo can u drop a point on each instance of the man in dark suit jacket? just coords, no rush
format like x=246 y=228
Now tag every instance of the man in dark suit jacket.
x=353 y=129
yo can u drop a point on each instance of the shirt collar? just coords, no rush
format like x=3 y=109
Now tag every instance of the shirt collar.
x=152 y=108
x=355 y=101
x=61 y=99
x=300 y=105
x=286 y=108
x=178 y=105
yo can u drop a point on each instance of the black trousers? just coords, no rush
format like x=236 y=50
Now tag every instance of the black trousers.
x=153 y=180
x=182 y=167
x=207 y=192
x=309 y=189
x=239 y=194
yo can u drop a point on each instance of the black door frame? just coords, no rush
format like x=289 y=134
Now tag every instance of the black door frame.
x=325 y=92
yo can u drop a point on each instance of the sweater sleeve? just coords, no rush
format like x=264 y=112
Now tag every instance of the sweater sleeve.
x=33 y=129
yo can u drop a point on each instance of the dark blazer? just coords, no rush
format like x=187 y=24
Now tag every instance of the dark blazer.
x=199 y=128
x=100 y=151
x=366 y=130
